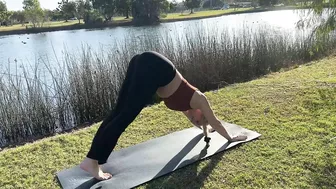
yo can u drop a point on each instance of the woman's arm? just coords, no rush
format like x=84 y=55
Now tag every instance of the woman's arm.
x=201 y=102
x=198 y=122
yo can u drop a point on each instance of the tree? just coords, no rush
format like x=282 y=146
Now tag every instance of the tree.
x=88 y=9
x=191 y=4
x=67 y=9
x=267 y=3
x=123 y=7
x=274 y=2
x=3 y=12
x=47 y=15
x=80 y=9
x=321 y=18
x=33 y=12
x=18 y=17
x=212 y=3
x=164 y=6
x=172 y=6
x=106 y=7
x=88 y=6
x=91 y=15
x=3 y=6
x=146 y=11
x=55 y=15
x=321 y=15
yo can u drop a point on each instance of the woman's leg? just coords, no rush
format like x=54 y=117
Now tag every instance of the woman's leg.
x=150 y=72
x=160 y=64
x=122 y=95
x=143 y=86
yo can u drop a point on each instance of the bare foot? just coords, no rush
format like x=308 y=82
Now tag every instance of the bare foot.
x=91 y=166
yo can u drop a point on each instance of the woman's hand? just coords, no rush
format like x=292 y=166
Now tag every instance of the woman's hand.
x=200 y=101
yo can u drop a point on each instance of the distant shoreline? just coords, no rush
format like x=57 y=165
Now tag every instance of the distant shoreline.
x=129 y=22
x=231 y=13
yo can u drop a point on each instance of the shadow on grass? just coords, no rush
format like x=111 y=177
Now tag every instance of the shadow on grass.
x=323 y=171
x=324 y=98
x=189 y=176
x=174 y=162
x=324 y=176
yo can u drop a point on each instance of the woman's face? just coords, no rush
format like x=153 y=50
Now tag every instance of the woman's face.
x=196 y=117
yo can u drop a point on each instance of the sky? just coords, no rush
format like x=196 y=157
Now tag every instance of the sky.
x=17 y=4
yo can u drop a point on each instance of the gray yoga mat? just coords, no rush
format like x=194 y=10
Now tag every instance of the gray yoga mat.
x=146 y=161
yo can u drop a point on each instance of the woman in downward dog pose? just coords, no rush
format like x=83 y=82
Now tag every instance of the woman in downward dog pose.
x=149 y=73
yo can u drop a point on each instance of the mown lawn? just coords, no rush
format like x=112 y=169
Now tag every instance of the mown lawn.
x=295 y=111
x=171 y=16
x=186 y=14
x=46 y=25
x=53 y=24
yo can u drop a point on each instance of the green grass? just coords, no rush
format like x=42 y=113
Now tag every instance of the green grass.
x=293 y=110
x=200 y=14
x=45 y=25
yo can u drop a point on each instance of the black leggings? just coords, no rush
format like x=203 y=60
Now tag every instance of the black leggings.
x=145 y=74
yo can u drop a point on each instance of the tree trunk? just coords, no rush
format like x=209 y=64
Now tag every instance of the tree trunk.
x=126 y=14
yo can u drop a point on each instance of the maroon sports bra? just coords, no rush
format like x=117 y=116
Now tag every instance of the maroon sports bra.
x=180 y=99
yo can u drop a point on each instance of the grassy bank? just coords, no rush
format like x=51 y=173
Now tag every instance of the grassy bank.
x=59 y=26
x=202 y=14
x=50 y=24
x=215 y=13
x=293 y=110
x=121 y=21
x=53 y=24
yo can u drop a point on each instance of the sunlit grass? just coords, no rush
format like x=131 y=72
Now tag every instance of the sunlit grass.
x=200 y=14
x=46 y=25
x=293 y=110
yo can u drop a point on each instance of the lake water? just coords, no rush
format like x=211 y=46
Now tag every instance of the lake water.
x=32 y=49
